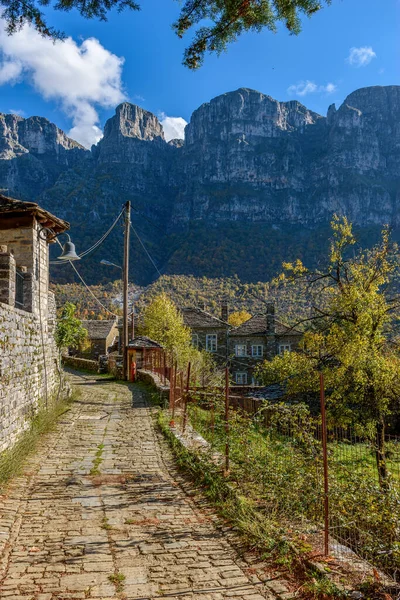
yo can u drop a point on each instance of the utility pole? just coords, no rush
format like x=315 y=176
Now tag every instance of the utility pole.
x=125 y=334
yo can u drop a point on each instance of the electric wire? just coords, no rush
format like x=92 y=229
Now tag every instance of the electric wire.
x=87 y=287
x=145 y=249
x=97 y=244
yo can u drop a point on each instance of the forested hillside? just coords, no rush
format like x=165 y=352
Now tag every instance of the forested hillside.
x=291 y=302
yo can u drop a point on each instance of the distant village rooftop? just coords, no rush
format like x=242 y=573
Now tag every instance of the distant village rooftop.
x=141 y=341
x=98 y=330
x=12 y=208
x=259 y=325
x=197 y=317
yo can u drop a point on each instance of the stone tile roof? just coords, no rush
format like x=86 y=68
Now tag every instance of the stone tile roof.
x=141 y=341
x=257 y=325
x=196 y=317
x=10 y=207
x=98 y=330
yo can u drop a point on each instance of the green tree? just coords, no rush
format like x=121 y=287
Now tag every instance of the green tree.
x=69 y=330
x=216 y=22
x=238 y=317
x=163 y=323
x=351 y=335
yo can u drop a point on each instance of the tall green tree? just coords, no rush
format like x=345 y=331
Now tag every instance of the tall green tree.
x=351 y=335
x=69 y=330
x=216 y=23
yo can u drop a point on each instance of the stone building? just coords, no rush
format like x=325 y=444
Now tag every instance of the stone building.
x=208 y=332
x=29 y=369
x=260 y=338
x=101 y=336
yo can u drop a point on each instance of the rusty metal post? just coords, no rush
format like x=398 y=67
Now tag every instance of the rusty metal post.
x=325 y=460
x=186 y=398
x=227 y=421
x=171 y=396
x=212 y=424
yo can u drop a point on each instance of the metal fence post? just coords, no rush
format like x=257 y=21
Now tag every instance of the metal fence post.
x=325 y=460
x=227 y=421
x=186 y=398
x=172 y=396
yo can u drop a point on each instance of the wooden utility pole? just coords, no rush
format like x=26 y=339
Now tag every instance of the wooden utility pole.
x=125 y=334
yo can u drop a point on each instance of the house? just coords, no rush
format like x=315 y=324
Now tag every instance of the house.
x=260 y=338
x=101 y=336
x=209 y=332
x=145 y=353
x=30 y=378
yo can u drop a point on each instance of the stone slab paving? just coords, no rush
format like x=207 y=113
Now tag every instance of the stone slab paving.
x=100 y=512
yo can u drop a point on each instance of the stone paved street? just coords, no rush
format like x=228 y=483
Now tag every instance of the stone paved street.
x=100 y=512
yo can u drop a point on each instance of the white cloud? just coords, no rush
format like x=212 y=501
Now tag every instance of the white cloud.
x=80 y=77
x=17 y=111
x=174 y=127
x=360 y=57
x=309 y=87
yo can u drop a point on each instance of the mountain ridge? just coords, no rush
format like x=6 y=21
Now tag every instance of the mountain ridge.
x=251 y=168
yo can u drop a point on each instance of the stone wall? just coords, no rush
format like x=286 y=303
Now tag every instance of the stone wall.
x=29 y=370
x=81 y=363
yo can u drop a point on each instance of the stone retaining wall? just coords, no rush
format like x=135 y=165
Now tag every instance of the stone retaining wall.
x=29 y=371
x=154 y=380
x=81 y=363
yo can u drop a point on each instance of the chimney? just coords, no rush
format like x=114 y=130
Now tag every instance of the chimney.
x=271 y=318
x=224 y=311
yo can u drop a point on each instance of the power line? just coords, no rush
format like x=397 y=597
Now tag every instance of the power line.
x=86 y=286
x=145 y=249
x=96 y=245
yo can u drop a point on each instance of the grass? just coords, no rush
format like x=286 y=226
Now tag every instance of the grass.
x=117 y=579
x=97 y=460
x=13 y=460
x=283 y=476
x=268 y=536
x=105 y=524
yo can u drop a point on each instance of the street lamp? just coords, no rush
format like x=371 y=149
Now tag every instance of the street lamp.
x=110 y=264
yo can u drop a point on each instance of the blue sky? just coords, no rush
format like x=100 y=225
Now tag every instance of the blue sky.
x=313 y=67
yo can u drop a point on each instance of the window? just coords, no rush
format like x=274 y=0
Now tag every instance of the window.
x=241 y=378
x=19 y=289
x=284 y=348
x=195 y=340
x=257 y=350
x=211 y=342
x=240 y=350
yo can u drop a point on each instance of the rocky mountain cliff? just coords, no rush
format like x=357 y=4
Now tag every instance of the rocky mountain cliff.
x=255 y=182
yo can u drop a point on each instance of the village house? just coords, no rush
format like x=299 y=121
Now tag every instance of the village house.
x=101 y=336
x=29 y=370
x=209 y=332
x=261 y=337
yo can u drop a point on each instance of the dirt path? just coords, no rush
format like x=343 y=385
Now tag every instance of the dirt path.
x=100 y=513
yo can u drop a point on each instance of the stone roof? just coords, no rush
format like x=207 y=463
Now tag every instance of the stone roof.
x=10 y=207
x=196 y=317
x=98 y=330
x=141 y=341
x=257 y=325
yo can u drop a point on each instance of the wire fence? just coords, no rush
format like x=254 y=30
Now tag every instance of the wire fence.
x=336 y=488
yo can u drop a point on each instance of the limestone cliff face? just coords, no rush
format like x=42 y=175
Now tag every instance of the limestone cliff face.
x=246 y=159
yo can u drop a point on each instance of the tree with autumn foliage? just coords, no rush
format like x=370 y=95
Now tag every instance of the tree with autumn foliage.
x=163 y=323
x=238 y=317
x=351 y=335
